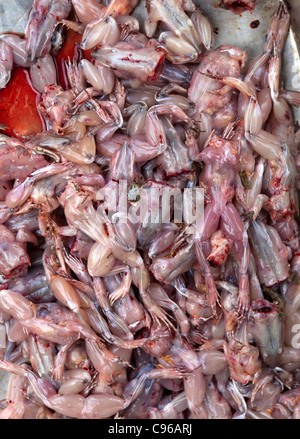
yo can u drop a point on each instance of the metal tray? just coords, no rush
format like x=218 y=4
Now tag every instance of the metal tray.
x=228 y=29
